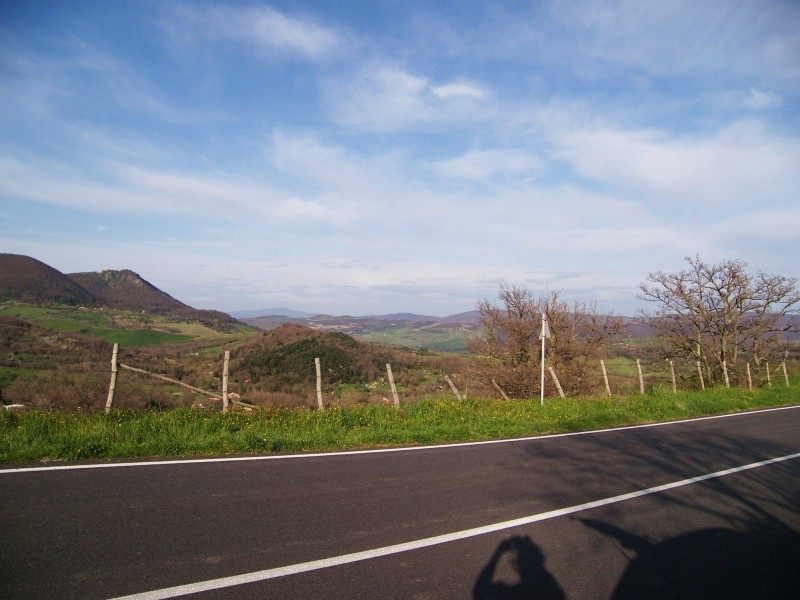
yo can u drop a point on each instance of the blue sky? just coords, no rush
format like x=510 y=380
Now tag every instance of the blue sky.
x=358 y=157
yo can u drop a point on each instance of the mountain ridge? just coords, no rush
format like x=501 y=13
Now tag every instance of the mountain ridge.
x=282 y=314
x=31 y=281
x=26 y=279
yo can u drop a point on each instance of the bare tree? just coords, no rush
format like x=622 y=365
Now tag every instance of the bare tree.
x=508 y=349
x=720 y=313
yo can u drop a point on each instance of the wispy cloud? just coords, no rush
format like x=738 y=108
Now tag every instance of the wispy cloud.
x=463 y=88
x=762 y=100
x=384 y=97
x=265 y=30
x=481 y=165
x=737 y=165
x=127 y=189
x=83 y=82
x=686 y=37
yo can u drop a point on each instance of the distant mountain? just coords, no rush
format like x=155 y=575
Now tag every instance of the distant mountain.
x=348 y=323
x=408 y=317
x=468 y=318
x=25 y=279
x=270 y=321
x=273 y=317
x=271 y=312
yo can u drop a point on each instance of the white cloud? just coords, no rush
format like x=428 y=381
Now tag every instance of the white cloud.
x=381 y=98
x=481 y=165
x=450 y=90
x=761 y=100
x=82 y=80
x=738 y=165
x=295 y=208
x=264 y=29
x=384 y=98
x=347 y=180
x=683 y=37
x=763 y=227
x=125 y=189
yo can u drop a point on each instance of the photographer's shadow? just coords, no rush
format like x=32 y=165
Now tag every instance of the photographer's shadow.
x=533 y=580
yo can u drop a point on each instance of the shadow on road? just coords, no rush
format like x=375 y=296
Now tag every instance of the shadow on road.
x=531 y=579
x=709 y=564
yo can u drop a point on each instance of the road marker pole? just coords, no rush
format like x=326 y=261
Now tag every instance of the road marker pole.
x=543 y=335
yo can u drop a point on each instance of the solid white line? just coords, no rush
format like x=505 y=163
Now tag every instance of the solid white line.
x=256 y=576
x=195 y=461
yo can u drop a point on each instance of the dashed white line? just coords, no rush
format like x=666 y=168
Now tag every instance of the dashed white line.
x=256 y=576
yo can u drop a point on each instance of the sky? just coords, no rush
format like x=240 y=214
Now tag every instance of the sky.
x=372 y=157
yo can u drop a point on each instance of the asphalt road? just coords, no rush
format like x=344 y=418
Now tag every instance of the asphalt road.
x=403 y=524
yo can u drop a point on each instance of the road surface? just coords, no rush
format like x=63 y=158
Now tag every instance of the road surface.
x=699 y=509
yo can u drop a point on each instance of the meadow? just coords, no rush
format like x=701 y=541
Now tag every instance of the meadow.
x=64 y=436
x=124 y=327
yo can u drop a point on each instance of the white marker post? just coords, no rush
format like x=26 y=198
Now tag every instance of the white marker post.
x=543 y=335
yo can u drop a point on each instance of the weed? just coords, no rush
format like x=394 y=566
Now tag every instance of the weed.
x=39 y=435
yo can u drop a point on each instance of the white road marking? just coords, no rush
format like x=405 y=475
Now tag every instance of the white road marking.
x=256 y=576
x=197 y=461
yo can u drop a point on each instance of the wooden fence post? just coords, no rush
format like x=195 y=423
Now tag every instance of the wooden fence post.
x=499 y=389
x=641 y=379
x=395 y=397
x=112 y=386
x=320 y=406
x=225 y=366
x=749 y=378
x=555 y=379
x=700 y=374
x=674 y=383
x=453 y=387
x=605 y=376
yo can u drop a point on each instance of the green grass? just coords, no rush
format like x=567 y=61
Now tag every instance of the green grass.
x=35 y=436
x=138 y=337
x=127 y=328
x=24 y=312
x=9 y=374
x=434 y=337
x=622 y=366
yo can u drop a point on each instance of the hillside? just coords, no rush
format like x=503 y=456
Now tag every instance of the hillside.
x=405 y=329
x=25 y=279
x=127 y=290
x=277 y=367
x=29 y=281
x=288 y=352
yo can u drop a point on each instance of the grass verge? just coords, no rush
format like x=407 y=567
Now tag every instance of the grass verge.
x=38 y=436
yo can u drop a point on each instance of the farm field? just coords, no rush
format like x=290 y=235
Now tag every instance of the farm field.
x=127 y=328
x=416 y=333
x=436 y=337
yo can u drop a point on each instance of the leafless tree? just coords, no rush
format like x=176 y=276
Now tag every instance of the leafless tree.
x=508 y=349
x=716 y=313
